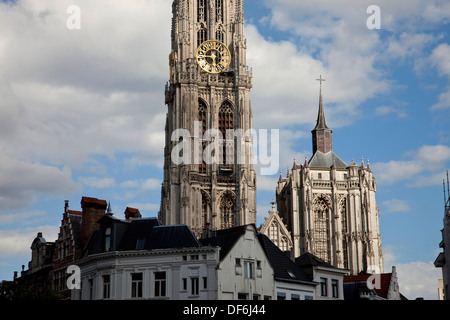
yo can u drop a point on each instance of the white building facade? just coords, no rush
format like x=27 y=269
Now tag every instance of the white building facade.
x=165 y=274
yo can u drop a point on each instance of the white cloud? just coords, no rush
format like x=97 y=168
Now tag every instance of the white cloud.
x=99 y=183
x=418 y=279
x=396 y=205
x=16 y=243
x=387 y=110
x=426 y=159
x=439 y=59
x=19 y=181
x=415 y=278
x=23 y=217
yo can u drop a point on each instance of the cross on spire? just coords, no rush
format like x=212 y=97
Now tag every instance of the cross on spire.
x=321 y=80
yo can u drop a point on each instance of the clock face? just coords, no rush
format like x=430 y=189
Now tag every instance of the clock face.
x=213 y=56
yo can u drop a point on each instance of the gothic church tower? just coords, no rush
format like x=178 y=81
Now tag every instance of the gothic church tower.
x=329 y=207
x=208 y=92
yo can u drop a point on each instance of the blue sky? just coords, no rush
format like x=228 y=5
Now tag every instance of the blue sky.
x=82 y=111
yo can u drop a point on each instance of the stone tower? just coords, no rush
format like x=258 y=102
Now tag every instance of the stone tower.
x=329 y=207
x=208 y=97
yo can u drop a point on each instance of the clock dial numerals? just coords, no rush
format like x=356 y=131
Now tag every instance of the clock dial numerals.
x=213 y=56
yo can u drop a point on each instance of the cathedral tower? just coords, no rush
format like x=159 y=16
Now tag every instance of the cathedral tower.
x=207 y=97
x=329 y=207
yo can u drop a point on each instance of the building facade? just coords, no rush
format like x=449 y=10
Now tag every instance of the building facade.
x=444 y=256
x=213 y=186
x=330 y=208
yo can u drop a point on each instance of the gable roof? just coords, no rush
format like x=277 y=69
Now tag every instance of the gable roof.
x=225 y=239
x=326 y=160
x=284 y=268
x=385 y=281
x=275 y=217
x=308 y=259
x=140 y=234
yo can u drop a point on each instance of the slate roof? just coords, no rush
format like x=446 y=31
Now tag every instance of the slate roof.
x=75 y=221
x=140 y=234
x=385 y=280
x=308 y=260
x=225 y=239
x=284 y=268
x=326 y=160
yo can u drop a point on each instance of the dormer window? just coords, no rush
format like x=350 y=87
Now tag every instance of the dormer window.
x=107 y=239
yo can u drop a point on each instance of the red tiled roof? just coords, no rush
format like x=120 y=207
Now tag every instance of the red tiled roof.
x=77 y=213
x=385 y=281
x=93 y=201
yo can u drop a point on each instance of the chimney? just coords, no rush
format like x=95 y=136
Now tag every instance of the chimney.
x=132 y=213
x=93 y=209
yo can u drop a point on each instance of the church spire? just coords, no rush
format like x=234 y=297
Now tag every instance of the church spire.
x=322 y=140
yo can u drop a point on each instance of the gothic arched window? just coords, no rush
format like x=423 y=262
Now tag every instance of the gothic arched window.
x=227 y=211
x=205 y=211
x=219 y=11
x=226 y=123
x=220 y=35
x=202 y=117
x=201 y=36
x=321 y=231
x=343 y=215
x=201 y=11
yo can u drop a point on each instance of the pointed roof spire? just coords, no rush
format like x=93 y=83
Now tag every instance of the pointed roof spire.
x=108 y=210
x=321 y=119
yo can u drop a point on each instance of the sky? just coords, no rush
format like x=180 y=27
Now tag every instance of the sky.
x=82 y=111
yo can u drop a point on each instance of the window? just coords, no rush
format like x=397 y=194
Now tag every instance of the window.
x=309 y=298
x=219 y=36
x=242 y=296
x=184 y=284
x=295 y=296
x=238 y=262
x=201 y=10
x=205 y=283
x=91 y=289
x=248 y=270
x=136 y=285
x=140 y=244
x=323 y=287
x=202 y=118
x=194 y=257
x=226 y=122
x=194 y=286
x=107 y=239
x=201 y=36
x=160 y=284
x=334 y=288
x=106 y=286
x=319 y=175
x=322 y=231
x=281 y=296
x=219 y=10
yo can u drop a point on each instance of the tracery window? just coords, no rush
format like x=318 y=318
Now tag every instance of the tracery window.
x=220 y=35
x=202 y=118
x=201 y=36
x=201 y=11
x=226 y=123
x=227 y=211
x=343 y=214
x=321 y=230
x=205 y=211
x=219 y=10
